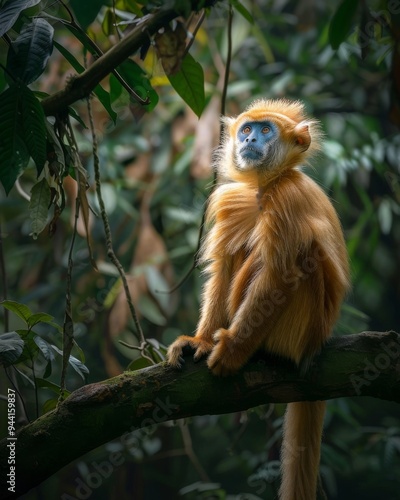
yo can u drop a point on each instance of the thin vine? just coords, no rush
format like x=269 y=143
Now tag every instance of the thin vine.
x=110 y=250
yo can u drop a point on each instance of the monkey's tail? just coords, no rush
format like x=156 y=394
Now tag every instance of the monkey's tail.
x=301 y=450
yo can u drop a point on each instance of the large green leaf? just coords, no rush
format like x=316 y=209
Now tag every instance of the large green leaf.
x=10 y=12
x=242 y=10
x=41 y=317
x=137 y=79
x=34 y=127
x=30 y=51
x=341 y=22
x=188 y=82
x=86 y=12
x=21 y=310
x=14 y=155
x=39 y=206
x=46 y=384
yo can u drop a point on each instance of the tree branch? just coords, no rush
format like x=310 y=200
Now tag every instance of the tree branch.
x=357 y=365
x=82 y=85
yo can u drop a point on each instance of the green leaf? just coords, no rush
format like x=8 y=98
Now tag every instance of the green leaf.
x=40 y=318
x=86 y=12
x=49 y=405
x=115 y=88
x=138 y=81
x=21 y=310
x=188 y=82
x=30 y=51
x=102 y=95
x=46 y=350
x=242 y=10
x=341 y=22
x=34 y=127
x=132 y=6
x=74 y=114
x=14 y=156
x=55 y=146
x=39 y=207
x=46 y=384
x=10 y=12
x=150 y=311
x=108 y=24
x=30 y=346
x=139 y=363
x=11 y=347
x=77 y=365
x=81 y=354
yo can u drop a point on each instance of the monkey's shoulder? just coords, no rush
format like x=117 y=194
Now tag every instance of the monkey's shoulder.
x=296 y=194
x=233 y=200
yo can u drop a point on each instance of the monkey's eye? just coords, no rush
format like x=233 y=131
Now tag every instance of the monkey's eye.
x=246 y=129
x=265 y=130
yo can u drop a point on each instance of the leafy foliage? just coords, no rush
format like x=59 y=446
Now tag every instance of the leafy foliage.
x=30 y=52
x=24 y=347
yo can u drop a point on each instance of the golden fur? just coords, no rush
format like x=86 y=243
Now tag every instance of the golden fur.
x=277 y=273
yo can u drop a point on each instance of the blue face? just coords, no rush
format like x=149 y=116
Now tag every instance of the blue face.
x=254 y=140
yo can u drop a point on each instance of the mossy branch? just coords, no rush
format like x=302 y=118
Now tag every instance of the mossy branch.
x=358 y=365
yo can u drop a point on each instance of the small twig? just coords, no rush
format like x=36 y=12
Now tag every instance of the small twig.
x=228 y=65
x=68 y=326
x=110 y=250
x=194 y=33
x=36 y=387
x=187 y=443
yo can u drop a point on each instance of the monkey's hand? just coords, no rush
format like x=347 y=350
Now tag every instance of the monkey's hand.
x=182 y=343
x=228 y=355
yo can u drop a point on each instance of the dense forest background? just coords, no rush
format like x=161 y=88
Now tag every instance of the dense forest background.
x=342 y=60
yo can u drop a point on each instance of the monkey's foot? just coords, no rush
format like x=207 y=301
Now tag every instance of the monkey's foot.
x=225 y=358
x=183 y=343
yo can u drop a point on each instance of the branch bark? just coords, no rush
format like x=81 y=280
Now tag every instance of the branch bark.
x=82 y=85
x=365 y=364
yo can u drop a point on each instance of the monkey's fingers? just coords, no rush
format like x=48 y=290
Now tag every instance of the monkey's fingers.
x=182 y=345
x=225 y=359
x=219 y=368
x=203 y=349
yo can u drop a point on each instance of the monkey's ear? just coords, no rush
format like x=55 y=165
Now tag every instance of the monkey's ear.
x=227 y=121
x=302 y=135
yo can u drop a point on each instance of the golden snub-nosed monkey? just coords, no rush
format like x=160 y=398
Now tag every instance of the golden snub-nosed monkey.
x=277 y=267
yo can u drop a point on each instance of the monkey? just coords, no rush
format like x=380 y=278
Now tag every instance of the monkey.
x=276 y=264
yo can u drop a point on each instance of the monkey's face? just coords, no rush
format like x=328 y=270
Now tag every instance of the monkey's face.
x=255 y=144
x=271 y=136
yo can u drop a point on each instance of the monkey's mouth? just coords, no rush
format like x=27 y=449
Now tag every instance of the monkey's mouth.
x=251 y=153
